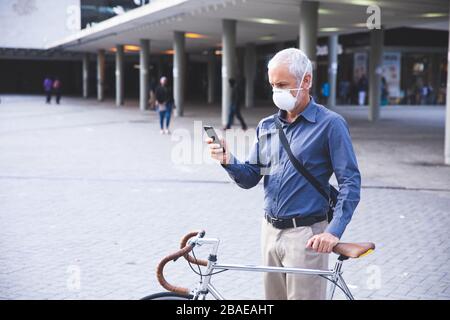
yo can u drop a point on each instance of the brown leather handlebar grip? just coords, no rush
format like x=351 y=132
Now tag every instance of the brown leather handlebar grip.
x=183 y=252
x=187 y=256
x=160 y=271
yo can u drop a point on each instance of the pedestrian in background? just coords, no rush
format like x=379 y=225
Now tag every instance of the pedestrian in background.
x=362 y=89
x=325 y=91
x=164 y=104
x=384 y=92
x=152 y=97
x=48 y=86
x=344 y=91
x=235 y=107
x=57 y=89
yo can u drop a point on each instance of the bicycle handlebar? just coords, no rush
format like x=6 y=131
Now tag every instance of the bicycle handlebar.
x=187 y=256
x=183 y=252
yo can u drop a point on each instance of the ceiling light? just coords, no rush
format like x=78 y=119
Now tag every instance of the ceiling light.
x=362 y=2
x=266 y=21
x=330 y=29
x=325 y=11
x=192 y=35
x=434 y=15
x=131 y=48
x=266 y=38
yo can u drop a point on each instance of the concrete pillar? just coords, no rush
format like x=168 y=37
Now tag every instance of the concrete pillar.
x=239 y=64
x=143 y=74
x=85 y=75
x=332 y=68
x=211 y=75
x=100 y=74
x=119 y=75
x=375 y=64
x=250 y=71
x=179 y=65
x=447 y=115
x=308 y=28
x=228 y=64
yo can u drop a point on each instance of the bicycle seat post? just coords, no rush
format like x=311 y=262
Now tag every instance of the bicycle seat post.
x=337 y=271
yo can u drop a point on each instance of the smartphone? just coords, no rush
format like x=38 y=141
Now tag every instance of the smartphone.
x=212 y=134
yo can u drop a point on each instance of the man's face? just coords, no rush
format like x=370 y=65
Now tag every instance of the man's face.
x=281 y=78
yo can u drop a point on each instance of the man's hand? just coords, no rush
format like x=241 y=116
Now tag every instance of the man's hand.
x=217 y=152
x=323 y=242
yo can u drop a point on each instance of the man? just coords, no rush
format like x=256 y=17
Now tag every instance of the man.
x=295 y=232
x=362 y=89
x=235 y=107
x=165 y=103
x=57 y=89
x=48 y=85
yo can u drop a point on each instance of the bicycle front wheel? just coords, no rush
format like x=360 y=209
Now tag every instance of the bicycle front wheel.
x=167 y=296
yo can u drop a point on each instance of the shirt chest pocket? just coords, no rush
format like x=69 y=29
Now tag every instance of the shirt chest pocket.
x=308 y=150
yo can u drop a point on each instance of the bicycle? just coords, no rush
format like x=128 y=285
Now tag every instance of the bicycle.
x=204 y=286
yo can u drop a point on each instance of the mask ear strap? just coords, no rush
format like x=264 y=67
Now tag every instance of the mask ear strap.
x=303 y=78
x=299 y=87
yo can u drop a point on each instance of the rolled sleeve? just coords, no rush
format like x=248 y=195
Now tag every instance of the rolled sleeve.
x=345 y=167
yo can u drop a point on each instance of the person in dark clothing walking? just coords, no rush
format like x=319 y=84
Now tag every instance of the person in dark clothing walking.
x=164 y=104
x=362 y=86
x=384 y=92
x=57 y=89
x=48 y=85
x=235 y=107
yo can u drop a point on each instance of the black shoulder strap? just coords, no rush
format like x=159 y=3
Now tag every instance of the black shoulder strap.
x=300 y=168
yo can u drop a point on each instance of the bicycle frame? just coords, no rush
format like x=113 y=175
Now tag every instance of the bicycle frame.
x=204 y=287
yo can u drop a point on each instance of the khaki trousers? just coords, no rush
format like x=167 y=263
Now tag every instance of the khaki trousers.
x=286 y=248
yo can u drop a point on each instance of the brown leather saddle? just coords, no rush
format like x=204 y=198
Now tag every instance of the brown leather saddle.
x=353 y=250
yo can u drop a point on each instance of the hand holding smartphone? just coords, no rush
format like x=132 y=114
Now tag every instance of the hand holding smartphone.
x=216 y=153
x=212 y=134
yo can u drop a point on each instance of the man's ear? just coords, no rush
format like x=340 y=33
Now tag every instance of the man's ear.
x=307 y=82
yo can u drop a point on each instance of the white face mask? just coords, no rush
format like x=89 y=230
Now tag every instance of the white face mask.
x=283 y=98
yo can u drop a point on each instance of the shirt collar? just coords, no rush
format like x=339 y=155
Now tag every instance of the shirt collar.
x=309 y=113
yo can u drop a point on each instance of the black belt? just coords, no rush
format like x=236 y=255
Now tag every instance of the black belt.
x=294 y=222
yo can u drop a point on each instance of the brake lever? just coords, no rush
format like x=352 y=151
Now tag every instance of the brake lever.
x=193 y=243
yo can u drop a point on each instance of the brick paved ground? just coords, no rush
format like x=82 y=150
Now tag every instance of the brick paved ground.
x=90 y=190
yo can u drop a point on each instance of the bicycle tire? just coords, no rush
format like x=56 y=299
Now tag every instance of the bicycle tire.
x=167 y=296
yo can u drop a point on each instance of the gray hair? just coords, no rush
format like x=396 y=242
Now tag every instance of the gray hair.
x=295 y=59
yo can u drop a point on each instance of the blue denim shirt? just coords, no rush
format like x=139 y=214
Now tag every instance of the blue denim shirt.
x=320 y=140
